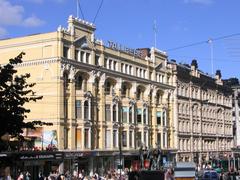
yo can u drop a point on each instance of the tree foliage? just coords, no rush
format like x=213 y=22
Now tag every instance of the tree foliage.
x=14 y=93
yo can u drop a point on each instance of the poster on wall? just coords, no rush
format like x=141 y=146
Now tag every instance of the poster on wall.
x=50 y=139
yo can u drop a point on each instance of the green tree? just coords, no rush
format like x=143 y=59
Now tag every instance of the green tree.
x=14 y=93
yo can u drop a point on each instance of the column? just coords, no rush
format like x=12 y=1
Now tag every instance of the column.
x=72 y=117
x=60 y=104
x=101 y=116
x=84 y=57
x=89 y=109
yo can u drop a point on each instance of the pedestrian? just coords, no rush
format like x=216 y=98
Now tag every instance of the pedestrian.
x=20 y=177
x=28 y=176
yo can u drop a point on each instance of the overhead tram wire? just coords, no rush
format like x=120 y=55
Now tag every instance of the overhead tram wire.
x=99 y=8
x=203 y=42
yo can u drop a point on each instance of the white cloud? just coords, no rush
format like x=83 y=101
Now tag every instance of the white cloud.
x=14 y=15
x=33 y=22
x=203 y=2
x=3 y=32
x=10 y=14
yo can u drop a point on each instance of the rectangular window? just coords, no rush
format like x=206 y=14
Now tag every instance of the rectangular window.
x=107 y=112
x=66 y=52
x=79 y=138
x=109 y=64
x=158 y=117
x=130 y=139
x=115 y=138
x=122 y=65
x=78 y=109
x=139 y=116
x=108 y=139
x=86 y=138
x=124 y=138
x=124 y=114
x=114 y=65
x=105 y=62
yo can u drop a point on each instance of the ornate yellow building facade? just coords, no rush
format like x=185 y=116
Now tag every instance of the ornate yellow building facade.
x=97 y=94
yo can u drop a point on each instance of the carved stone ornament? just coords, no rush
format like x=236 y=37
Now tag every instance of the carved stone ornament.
x=116 y=100
x=115 y=125
x=72 y=72
x=87 y=123
x=88 y=95
x=145 y=104
x=132 y=102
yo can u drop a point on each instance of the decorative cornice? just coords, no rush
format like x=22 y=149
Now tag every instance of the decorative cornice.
x=39 y=62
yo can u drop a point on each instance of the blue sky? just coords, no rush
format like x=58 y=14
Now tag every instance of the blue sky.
x=131 y=22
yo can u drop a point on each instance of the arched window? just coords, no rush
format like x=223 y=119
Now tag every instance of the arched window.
x=86 y=110
x=79 y=81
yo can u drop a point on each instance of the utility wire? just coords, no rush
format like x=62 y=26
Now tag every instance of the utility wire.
x=79 y=6
x=99 y=8
x=203 y=42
